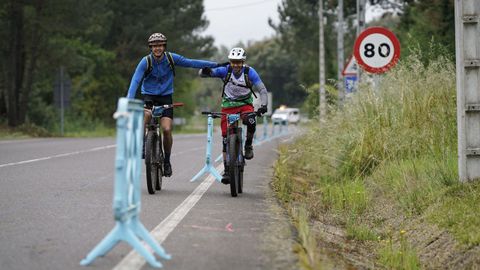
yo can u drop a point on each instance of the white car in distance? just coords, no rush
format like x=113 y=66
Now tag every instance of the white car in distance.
x=284 y=114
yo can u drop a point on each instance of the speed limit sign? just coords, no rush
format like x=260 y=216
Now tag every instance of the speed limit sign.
x=376 y=49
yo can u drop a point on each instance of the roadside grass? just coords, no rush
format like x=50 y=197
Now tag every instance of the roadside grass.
x=86 y=128
x=457 y=211
x=307 y=244
x=21 y=132
x=395 y=144
x=398 y=254
x=357 y=231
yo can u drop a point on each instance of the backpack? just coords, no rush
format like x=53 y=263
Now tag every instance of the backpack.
x=149 y=59
x=248 y=83
x=149 y=69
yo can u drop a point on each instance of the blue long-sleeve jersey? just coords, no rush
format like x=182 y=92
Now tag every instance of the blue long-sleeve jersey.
x=160 y=80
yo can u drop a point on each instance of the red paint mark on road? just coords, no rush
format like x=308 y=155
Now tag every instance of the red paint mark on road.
x=229 y=228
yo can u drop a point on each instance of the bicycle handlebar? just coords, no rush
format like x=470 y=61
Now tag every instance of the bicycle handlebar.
x=168 y=106
x=157 y=111
x=218 y=114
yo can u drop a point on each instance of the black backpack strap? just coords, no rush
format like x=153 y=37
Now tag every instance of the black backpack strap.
x=149 y=66
x=227 y=78
x=147 y=71
x=171 y=63
x=248 y=83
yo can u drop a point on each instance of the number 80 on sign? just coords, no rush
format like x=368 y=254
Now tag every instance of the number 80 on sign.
x=377 y=49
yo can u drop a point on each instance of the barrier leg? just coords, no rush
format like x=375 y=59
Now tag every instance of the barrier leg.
x=208 y=168
x=132 y=239
x=145 y=235
x=103 y=247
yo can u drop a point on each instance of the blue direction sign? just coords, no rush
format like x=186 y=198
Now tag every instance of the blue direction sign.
x=350 y=83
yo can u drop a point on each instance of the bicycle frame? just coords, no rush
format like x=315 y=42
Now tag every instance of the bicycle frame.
x=154 y=156
x=234 y=129
x=234 y=149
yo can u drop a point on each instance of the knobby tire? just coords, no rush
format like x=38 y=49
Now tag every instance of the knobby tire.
x=233 y=167
x=150 y=158
x=159 y=162
x=241 y=162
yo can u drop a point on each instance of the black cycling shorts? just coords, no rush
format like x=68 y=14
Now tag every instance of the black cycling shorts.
x=150 y=101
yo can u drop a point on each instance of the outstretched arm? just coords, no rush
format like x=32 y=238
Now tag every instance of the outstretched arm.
x=182 y=61
x=219 y=72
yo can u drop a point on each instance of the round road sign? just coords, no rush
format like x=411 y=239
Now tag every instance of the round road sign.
x=376 y=49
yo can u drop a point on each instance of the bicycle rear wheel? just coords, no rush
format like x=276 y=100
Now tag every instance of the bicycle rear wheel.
x=233 y=166
x=150 y=161
x=240 y=178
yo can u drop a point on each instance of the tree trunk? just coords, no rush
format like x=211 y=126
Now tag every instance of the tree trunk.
x=15 y=61
x=31 y=64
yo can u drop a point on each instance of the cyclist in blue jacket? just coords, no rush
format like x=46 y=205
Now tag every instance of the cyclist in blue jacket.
x=155 y=73
x=240 y=82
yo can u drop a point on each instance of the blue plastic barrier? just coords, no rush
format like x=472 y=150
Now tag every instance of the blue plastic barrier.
x=126 y=199
x=208 y=168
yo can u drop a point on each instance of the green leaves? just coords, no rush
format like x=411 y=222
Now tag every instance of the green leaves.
x=99 y=42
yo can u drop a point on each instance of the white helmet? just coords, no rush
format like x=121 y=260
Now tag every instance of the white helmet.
x=237 y=54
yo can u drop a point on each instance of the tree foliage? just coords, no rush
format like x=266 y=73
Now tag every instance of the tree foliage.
x=427 y=21
x=416 y=23
x=99 y=42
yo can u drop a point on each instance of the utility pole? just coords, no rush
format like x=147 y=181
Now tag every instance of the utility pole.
x=62 y=109
x=321 y=60
x=340 y=51
x=360 y=16
x=360 y=28
x=467 y=34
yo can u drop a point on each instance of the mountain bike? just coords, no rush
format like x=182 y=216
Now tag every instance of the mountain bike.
x=154 y=148
x=234 y=152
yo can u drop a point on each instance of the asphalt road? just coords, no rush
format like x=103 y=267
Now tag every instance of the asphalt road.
x=56 y=205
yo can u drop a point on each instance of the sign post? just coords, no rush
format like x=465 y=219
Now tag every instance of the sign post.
x=350 y=76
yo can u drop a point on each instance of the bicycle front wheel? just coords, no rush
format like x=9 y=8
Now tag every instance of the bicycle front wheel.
x=159 y=163
x=150 y=161
x=233 y=166
x=240 y=163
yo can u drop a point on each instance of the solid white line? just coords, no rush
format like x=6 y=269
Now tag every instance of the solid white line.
x=84 y=151
x=57 y=156
x=134 y=260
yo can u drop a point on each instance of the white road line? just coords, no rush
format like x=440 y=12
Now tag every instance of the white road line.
x=84 y=151
x=57 y=156
x=134 y=260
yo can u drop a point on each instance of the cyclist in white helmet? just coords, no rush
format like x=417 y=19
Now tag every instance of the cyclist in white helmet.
x=240 y=84
x=154 y=74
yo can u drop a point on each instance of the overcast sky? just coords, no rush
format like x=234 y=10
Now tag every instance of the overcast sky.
x=233 y=21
